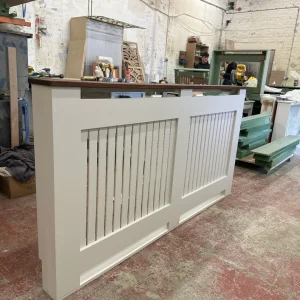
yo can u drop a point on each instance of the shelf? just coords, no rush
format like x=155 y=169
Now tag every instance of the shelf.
x=17 y=2
x=14 y=21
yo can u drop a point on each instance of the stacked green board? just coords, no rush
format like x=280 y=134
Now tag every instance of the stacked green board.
x=275 y=153
x=254 y=133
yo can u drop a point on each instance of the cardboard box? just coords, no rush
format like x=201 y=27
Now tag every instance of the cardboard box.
x=14 y=189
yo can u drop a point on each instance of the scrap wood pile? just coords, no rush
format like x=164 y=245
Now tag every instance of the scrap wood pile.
x=272 y=155
x=254 y=133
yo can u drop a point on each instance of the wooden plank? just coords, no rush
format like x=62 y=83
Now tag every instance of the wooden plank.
x=210 y=158
x=119 y=178
x=165 y=164
x=83 y=190
x=102 y=164
x=203 y=123
x=153 y=167
x=147 y=169
x=189 y=156
x=110 y=180
x=198 y=148
x=277 y=77
x=133 y=173
x=14 y=102
x=126 y=175
x=194 y=154
x=92 y=186
x=253 y=130
x=160 y=153
x=76 y=59
x=276 y=146
x=171 y=158
x=140 y=180
x=14 y=21
x=206 y=150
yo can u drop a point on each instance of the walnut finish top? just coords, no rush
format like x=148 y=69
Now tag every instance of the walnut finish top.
x=130 y=86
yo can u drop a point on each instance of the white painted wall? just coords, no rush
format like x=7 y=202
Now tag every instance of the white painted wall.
x=268 y=25
x=163 y=36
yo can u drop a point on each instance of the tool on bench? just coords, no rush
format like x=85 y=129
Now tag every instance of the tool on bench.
x=108 y=71
x=238 y=76
x=43 y=73
x=88 y=78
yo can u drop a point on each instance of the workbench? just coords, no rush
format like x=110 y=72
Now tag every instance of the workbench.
x=114 y=175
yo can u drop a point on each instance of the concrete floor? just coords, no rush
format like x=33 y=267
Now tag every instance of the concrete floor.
x=245 y=247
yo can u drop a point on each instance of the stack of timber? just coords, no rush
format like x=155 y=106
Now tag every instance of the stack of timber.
x=274 y=154
x=254 y=133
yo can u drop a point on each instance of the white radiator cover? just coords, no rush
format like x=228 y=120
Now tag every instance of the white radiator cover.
x=113 y=175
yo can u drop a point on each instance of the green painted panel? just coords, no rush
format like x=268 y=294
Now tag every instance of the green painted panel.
x=252 y=130
x=244 y=141
x=272 y=157
x=242 y=153
x=275 y=147
x=279 y=159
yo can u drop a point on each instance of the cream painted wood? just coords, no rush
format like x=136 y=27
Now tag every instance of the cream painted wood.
x=113 y=175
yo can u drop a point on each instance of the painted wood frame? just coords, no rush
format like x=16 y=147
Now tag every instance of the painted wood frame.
x=113 y=175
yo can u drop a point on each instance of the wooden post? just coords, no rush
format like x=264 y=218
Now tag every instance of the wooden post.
x=14 y=102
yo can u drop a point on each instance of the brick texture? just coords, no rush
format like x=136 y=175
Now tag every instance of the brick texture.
x=268 y=25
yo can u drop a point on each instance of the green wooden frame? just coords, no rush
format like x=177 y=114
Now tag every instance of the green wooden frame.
x=260 y=56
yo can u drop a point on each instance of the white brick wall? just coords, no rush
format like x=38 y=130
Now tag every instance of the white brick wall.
x=258 y=27
x=156 y=42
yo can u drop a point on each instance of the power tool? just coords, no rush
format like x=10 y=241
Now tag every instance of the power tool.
x=238 y=76
x=108 y=71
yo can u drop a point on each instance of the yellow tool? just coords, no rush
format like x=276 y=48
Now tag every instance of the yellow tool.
x=238 y=76
x=108 y=70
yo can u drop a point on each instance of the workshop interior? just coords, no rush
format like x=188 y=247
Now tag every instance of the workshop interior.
x=149 y=149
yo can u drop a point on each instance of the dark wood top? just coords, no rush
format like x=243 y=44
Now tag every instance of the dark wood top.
x=135 y=86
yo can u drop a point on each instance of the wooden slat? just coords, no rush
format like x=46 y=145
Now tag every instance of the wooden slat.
x=153 y=167
x=102 y=164
x=189 y=156
x=193 y=157
x=126 y=174
x=14 y=102
x=110 y=180
x=119 y=178
x=160 y=149
x=171 y=155
x=209 y=158
x=200 y=175
x=140 y=181
x=222 y=143
x=227 y=143
x=133 y=175
x=83 y=189
x=92 y=185
x=149 y=136
x=218 y=148
x=165 y=164
x=276 y=146
x=206 y=151
x=14 y=21
x=197 y=152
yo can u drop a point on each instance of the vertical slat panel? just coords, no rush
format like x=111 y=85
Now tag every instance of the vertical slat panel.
x=153 y=167
x=192 y=186
x=172 y=146
x=165 y=163
x=126 y=174
x=206 y=150
x=216 y=149
x=92 y=185
x=83 y=198
x=230 y=128
x=203 y=123
x=140 y=181
x=227 y=124
x=102 y=156
x=119 y=177
x=133 y=175
x=209 y=159
x=198 y=151
x=189 y=157
x=110 y=179
x=222 y=140
x=160 y=149
x=147 y=168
